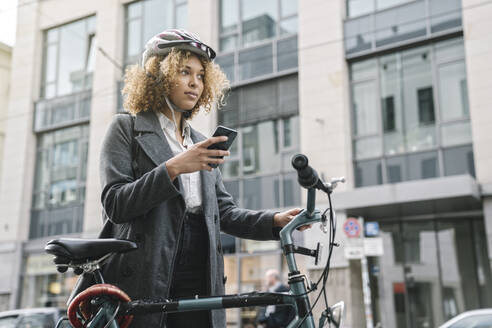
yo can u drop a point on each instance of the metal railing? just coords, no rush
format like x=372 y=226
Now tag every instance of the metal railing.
x=62 y=111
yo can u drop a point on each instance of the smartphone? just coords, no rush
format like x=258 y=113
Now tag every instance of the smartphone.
x=224 y=145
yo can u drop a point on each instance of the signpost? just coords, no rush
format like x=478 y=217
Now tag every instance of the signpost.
x=363 y=242
x=352 y=228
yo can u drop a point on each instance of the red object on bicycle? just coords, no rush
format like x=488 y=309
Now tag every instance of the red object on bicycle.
x=82 y=304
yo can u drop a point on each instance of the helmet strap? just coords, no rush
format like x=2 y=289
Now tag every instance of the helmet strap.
x=173 y=107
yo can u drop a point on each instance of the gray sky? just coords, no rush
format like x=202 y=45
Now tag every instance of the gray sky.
x=8 y=18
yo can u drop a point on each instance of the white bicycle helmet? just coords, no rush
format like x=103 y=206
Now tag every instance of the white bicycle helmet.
x=162 y=43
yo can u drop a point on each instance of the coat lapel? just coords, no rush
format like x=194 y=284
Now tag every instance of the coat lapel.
x=152 y=140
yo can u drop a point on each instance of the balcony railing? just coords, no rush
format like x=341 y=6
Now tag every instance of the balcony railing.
x=266 y=59
x=62 y=111
x=57 y=221
x=410 y=22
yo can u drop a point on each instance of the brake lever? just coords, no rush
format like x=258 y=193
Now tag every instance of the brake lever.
x=323 y=226
x=330 y=186
x=324 y=222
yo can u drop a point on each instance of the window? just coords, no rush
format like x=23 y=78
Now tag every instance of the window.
x=425 y=105
x=61 y=126
x=258 y=172
x=146 y=18
x=363 y=7
x=372 y=24
x=404 y=135
x=245 y=28
x=432 y=270
x=66 y=83
x=68 y=60
x=245 y=22
x=388 y=106
x=59 y=186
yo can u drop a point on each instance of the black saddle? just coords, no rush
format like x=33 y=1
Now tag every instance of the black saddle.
x=73 y=250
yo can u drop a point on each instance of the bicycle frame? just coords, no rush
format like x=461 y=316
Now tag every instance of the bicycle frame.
x=298 y=297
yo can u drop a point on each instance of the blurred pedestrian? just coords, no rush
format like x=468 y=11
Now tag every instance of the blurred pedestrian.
x=275 y=316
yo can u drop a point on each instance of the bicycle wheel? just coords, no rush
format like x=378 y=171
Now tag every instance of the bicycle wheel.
x=80 y=311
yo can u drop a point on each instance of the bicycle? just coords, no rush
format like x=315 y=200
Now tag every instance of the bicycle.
x=106 y=306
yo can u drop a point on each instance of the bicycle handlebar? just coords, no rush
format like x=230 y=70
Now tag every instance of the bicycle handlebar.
x=307 y=176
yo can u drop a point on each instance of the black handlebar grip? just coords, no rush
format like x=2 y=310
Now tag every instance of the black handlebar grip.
x=307 y=176
x=299 y=161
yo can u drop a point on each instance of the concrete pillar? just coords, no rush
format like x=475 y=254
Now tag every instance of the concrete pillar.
x=323 y=86
x=478 y=51
x=203 y=20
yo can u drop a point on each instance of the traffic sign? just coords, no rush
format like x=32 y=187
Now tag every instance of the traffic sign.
x=373 y=246
x=352 y=228
x=371 y=229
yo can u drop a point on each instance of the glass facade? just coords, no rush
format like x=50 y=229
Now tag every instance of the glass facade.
x=246 y=22
x=419 y=125
x=43 y=286
x=258 y=53
x=431 y=271
x=68 y=60
x=258 y=173
x=146 y=18
x=257 y=38
x=62 y=129
x=378 y=24
x=59 y=185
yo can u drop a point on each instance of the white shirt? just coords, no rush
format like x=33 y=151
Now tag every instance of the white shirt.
x=191 y=181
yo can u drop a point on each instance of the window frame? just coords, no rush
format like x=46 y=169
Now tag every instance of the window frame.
x=239 y=29
x=136 y=59
x=91 y=35
x=280 y=175
x=235 y=51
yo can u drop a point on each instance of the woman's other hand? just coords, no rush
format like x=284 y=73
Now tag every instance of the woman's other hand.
x=282 y=218
x=196 y=158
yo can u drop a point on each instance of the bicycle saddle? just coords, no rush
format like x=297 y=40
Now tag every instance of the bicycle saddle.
x=68 y=250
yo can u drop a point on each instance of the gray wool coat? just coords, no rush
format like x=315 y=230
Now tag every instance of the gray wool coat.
x=149 y=210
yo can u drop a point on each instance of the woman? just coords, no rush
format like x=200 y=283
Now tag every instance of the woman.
x=159 y=190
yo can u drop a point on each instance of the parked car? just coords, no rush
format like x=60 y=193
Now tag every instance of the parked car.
x=471 y=319
x=33 y=318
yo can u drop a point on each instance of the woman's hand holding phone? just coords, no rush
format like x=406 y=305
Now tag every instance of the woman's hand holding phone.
x=197 y=158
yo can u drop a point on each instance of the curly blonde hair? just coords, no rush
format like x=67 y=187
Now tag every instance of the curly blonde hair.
x=145 y=89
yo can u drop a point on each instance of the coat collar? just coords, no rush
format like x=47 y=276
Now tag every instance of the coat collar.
x=153 y=141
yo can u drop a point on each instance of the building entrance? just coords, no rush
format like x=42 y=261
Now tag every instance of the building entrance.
x=431 y=271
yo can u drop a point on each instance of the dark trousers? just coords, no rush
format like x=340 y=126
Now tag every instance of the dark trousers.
x=190 y=273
